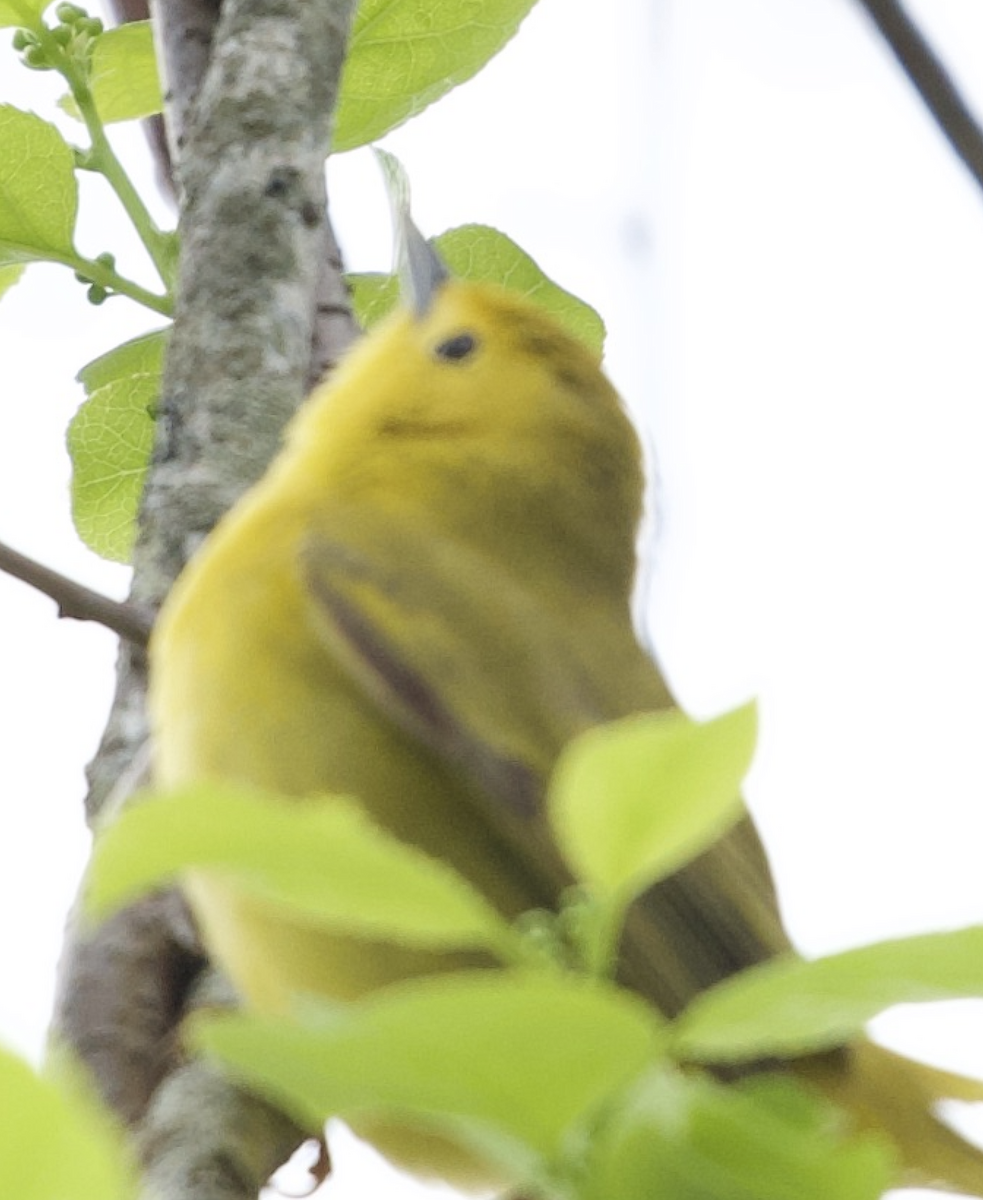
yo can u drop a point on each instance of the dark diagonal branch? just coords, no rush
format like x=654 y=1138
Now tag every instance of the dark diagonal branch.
x=129 y=621
x=932 y=81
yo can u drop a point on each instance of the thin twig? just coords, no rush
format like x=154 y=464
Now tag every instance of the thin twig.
x=76 y=601
x=932 y=81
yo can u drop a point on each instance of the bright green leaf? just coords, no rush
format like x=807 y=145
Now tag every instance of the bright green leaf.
x=634 y=800
x=688 y=1138
x=23 y=13
x=128 y=360
x=403 y=55
x=124 y=80
x=53 y=1145
x=321 y=860
x=478 y=252
x=38 y=192
x=373 y=297
x=528 y=1057
x=789 y=1007
x=9 y=276
x=109 y=440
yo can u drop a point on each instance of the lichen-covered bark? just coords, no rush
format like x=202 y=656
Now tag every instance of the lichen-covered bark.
x=262 y=311
x=251 y=172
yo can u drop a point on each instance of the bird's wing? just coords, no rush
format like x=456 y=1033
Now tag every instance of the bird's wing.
x=454 y=650
x=460 y=654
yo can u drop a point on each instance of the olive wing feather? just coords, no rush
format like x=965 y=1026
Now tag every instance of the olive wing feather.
x=473 y=662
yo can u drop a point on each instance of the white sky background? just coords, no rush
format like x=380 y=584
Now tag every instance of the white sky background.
x=789 y=261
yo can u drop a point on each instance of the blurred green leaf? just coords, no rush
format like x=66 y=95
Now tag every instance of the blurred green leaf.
x=788 y=1007
x=24 y=13
x=54 y=1145
x=110 y=439
x=634 y=800
x=38 y=192
x=124 y=80
x=686 y=1137
x=527 y=1057
x=480 y=253
x=373 y=297
x=404 y=55
x=9 y=276
x=322 y=860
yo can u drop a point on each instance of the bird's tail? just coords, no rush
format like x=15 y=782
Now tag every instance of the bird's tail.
x=897 y=1096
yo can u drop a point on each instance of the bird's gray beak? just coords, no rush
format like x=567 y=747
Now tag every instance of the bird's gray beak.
x=421 y=269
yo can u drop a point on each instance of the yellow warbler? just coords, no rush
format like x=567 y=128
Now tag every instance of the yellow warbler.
x=424 y=599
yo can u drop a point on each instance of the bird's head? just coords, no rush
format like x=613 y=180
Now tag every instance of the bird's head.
x=474 y=402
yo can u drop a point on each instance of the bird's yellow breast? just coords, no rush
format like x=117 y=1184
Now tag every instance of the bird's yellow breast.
x=244 y=691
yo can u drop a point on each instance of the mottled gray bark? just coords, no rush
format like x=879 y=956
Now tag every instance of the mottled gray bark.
x=262 y=309
x=252 y=176
x=183 y=31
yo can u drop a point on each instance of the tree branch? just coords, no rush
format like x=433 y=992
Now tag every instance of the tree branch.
x=261 y=307
x=335 y=327
x=184 y=42
x=932 y=81
x=251 y=173
x=74 y=600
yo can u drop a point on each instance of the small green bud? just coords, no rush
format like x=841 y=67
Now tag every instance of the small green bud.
x=540 y=934
x=96 y=294
x=23 y=38
x=92 y=26
x=63 y=34
x=82 y=277
x=107 y=260
x=70 y=13
x=36 y=59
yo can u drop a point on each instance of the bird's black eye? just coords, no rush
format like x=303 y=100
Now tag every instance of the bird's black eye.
x=461 y=345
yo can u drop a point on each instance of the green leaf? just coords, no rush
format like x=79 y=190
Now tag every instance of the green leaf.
x=373 y=297
x=634 y=800
x=110 y=439
x=403 y=55
x=124 y=80
x=480 y=253
x=526 y=1057
x=9 y=276
x=53 y=1145
x=688 y=1138
x=321 y=860
x=25 y=14
x=38 y=192
x=788 y=1007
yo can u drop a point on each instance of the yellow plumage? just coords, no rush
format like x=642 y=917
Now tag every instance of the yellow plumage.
x=425 y=598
